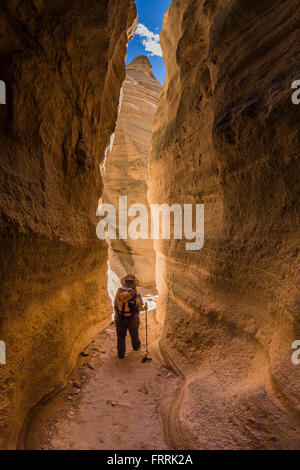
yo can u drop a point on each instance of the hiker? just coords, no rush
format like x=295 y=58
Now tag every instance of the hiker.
x=128 y=304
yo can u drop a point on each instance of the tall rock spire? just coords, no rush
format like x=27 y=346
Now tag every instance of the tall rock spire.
x=127 y=164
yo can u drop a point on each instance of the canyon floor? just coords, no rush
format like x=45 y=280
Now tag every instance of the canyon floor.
x=108 y=403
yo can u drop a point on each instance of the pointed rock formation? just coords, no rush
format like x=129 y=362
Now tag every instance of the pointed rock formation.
x=126 y=167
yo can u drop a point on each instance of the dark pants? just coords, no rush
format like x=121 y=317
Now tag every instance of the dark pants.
x=123 y=324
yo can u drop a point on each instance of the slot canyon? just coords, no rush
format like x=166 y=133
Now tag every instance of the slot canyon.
x=77 y=128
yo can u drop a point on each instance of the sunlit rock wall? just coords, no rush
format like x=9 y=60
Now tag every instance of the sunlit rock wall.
x=226 y=134
x=63 y=65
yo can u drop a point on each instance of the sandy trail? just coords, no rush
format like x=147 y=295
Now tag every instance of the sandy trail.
x=109 y=403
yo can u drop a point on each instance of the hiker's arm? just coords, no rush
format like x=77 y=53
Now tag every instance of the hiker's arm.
x=116 y=307
x=139 y=302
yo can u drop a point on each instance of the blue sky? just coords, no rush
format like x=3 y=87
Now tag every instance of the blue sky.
x=146 y=40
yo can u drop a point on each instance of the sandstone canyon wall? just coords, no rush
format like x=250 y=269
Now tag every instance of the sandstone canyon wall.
x=227 y=135
x=63 y=65
x=126 y=166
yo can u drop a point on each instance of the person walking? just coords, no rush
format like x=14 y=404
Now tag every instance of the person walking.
x=128 y=304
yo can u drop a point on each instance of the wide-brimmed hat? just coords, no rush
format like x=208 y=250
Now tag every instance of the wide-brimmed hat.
x=130 y=278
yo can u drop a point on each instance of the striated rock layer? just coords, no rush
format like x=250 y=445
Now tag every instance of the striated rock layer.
x=63 y=65
x=227 y=135
x=126 y=166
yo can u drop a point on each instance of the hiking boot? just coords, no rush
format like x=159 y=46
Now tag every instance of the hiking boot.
x=121 y=356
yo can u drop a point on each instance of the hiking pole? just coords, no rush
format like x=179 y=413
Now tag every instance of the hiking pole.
x=146 y=358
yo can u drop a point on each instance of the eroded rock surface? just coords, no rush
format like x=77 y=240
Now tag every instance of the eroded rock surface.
x=63 y=64
x=126 y=166
x=227 y=135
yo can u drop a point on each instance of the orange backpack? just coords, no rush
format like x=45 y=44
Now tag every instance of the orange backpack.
x=126 y=302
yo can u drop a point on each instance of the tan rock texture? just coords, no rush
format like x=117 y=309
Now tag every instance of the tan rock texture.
x=63 y=64
x=227 y=135
x=126 y=168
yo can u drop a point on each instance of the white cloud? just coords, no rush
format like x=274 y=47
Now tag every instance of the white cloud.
x=150 y=41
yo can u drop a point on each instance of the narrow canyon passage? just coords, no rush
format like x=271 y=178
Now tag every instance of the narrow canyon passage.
x=109 y=403
x=78 y=129
x=112 y=403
